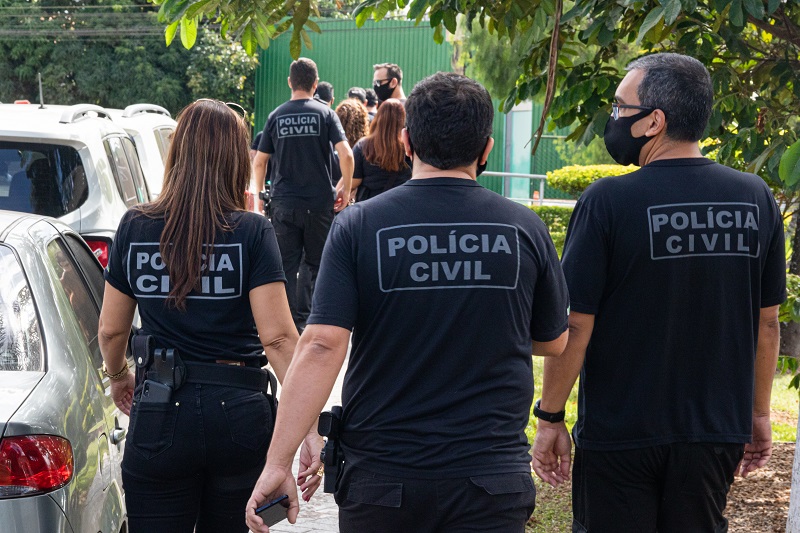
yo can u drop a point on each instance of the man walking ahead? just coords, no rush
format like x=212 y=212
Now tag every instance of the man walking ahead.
x=299 y=135
x=448 y=288
x=675 y=274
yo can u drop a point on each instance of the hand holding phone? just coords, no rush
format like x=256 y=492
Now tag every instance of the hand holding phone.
x=275 y=511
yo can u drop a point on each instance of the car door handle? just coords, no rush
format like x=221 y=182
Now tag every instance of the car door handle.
x=118 y=435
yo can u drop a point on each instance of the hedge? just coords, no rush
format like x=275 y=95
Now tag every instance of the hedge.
x=575 y=178
x=556 y=218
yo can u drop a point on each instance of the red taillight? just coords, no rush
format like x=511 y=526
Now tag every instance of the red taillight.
x=22 y=102
x=34 y=464
x=100 y=250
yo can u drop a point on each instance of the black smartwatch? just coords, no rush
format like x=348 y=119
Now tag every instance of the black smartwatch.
x=544 y=415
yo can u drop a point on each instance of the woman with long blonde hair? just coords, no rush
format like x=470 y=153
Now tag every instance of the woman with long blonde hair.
x=206 y=276
x=380 y=160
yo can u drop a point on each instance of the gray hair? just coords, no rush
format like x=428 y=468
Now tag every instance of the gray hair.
x=680 y=86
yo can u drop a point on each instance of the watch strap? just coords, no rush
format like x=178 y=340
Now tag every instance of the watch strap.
x=544 y=415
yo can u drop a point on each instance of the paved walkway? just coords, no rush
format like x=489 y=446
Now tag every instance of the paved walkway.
x=321 y=514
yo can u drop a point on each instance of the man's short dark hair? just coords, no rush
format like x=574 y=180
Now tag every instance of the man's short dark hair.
x=303 y=74
x=324 y=91
x=449 y=120
x=680 y=86
x=392 y=70
x=372 y=98
x=358 y=93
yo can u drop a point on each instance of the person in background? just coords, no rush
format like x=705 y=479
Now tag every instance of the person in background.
x=300 y=134
x=372 y=103
x=206 y=276
x=324 y=93
x=380 y=161
x=353 y=117
x=357 y=93
x=387 y=82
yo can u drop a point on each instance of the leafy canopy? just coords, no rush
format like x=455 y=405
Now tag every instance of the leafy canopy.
x=751 y=48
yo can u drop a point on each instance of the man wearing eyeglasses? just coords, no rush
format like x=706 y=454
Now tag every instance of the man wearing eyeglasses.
x=675 y=273
x=387 y=82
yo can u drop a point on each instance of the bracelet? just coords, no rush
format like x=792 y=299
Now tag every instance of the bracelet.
x=119 y=375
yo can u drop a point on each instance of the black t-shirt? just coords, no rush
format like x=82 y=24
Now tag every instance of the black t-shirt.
x=218 y=321
x=299 y=135
x=675 y=261
x=375 y=180
x=444 y=284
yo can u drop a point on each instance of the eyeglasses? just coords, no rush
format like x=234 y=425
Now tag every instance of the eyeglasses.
x=615 y=107
x=378 y=83
x=239 y=110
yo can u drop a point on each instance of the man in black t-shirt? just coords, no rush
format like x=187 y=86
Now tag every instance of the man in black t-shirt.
x=448 y=289
x=675 y=274
x=298 y=138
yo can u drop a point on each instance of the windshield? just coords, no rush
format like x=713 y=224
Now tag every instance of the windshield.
x=20 y=338
x=46 y=179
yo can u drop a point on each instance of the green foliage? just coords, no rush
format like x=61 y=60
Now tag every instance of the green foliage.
x=751 y=48
x=556 y=218
x=790 y=308
x=575 y=178
x=489 y=60
x=114 y=56
x=594 y=153
x=221 y=69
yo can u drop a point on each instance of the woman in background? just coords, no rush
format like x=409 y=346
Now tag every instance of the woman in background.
x=380 y=159
x=354 y=119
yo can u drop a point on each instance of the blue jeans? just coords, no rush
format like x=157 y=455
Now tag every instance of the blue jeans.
x=191 y=464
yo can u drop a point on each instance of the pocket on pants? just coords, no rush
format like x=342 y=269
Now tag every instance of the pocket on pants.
x=152 y=427
x=513 y=492
x=362 y=487
x=249 y=418
x=495 y=484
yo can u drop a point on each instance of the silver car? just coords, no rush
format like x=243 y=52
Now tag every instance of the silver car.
x=61 y=436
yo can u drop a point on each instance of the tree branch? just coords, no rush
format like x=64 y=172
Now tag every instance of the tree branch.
x=788 y=31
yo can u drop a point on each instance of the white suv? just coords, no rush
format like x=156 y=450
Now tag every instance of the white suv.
x=151 y=127
x=73 y=163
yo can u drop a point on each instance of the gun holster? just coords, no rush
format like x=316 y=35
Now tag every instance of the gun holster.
x=332 y=457
x=160 y=370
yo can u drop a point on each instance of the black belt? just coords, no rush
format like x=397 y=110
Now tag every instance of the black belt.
x=230 y=376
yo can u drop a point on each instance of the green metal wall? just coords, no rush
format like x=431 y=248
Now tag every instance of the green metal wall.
x=345 y=54
x=547 y=158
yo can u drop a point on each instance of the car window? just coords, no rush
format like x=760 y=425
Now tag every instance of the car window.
x=136 y=170
x=90 y=266
x=164 y=139
x=20 y=333
x=83 y=306
x=46 y=179
x=122 y=171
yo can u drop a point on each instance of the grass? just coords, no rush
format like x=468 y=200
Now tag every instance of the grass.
x=554 y=506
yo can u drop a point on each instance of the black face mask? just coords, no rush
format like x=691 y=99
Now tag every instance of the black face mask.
x=384 y=91
x=623 y=147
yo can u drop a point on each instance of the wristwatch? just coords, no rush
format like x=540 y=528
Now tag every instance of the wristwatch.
x=544 y=415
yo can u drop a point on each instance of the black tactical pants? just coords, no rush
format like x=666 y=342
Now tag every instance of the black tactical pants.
x=495 y=503
x=672 y=488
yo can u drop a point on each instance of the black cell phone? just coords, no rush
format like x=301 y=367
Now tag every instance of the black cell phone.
x=275 y=511
x=155 y=392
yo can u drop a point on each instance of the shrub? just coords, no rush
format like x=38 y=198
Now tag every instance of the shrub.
x=556 y=218
x=575 y=178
